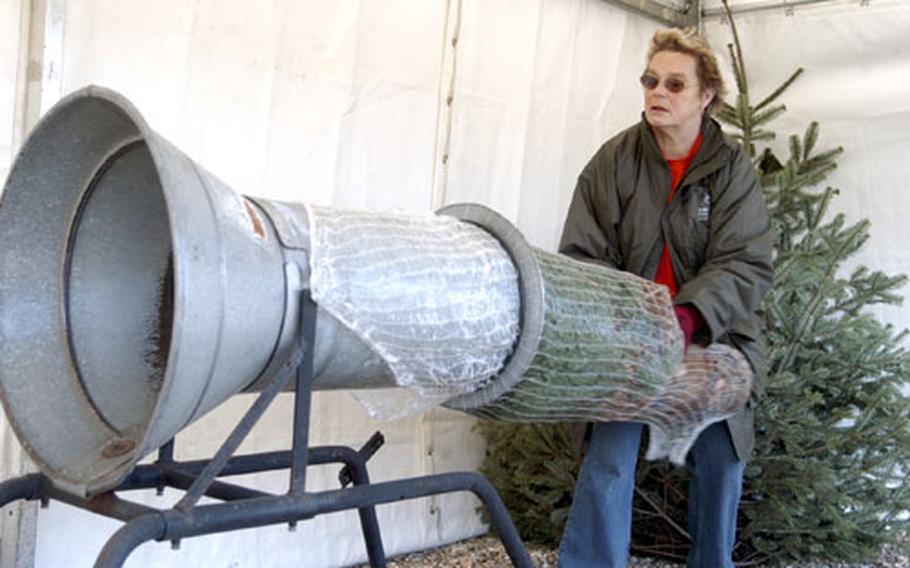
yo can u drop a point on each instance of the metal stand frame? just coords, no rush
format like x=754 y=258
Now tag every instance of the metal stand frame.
x=242 y=507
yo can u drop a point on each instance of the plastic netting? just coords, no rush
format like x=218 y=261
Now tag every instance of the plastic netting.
x=611 y=350
x=438 y=299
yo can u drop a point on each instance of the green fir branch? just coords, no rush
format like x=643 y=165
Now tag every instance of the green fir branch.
x=767 y=115
x=778 y=91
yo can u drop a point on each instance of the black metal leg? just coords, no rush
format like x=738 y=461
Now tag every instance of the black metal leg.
x=165 y=458
x=502 y=522
x=216 y=490
x=128 y=538
x=166 y=453
x=257 y=511
x=355 y=464
x=221 y=517
x=217 y=463
x=26 y=487
x=307 y=336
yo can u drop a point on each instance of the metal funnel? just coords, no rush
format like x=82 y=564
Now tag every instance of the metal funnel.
x=137 y=292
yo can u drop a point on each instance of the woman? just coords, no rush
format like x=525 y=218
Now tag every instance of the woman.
x=671 y=199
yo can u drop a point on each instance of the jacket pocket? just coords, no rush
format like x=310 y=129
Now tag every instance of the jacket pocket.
x=750 y=328
x=689 y=224
x=746 y=337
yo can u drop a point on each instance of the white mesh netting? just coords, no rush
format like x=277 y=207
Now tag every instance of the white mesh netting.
x=713 y=383
x=438 y=300
x=611 y=350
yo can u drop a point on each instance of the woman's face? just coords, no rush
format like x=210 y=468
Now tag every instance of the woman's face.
x=669 y=110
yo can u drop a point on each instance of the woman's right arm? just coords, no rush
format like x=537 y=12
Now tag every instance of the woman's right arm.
x=591 y=230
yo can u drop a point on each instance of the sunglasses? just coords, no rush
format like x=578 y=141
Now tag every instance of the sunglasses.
x=672 y=84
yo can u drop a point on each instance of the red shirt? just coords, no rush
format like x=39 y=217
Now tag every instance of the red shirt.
x=678 y=168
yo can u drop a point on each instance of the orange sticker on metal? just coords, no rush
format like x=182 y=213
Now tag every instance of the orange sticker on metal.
x=258 y=228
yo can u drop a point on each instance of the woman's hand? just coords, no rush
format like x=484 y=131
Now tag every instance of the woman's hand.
x=690 y=320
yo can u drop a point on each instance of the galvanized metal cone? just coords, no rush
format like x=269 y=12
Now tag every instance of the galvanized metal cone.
x=138 y=292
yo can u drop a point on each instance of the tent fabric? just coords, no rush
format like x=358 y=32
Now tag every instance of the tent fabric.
x=855 y=84
x=414 y=105
x=11 y=14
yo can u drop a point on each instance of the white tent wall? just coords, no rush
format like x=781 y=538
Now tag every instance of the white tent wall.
x=10 y=133
x=537 y=94
x=354 y=104
x=10 y=31
x=856 y=84
x=347 y=103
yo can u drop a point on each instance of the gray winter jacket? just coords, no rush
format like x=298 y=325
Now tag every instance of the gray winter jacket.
x=716 y=227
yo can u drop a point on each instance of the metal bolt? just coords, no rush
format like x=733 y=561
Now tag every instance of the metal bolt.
x=116 y=448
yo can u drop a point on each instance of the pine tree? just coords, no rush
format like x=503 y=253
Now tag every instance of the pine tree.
x=827 y=479
x=534 y=467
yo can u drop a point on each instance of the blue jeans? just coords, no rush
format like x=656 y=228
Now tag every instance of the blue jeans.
x=600 y=523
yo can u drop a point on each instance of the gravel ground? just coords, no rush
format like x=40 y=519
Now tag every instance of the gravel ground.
x=487 y=551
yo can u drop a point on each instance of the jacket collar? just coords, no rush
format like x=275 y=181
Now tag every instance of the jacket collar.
x=710 y=157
